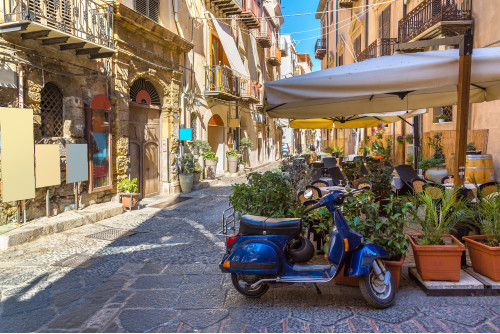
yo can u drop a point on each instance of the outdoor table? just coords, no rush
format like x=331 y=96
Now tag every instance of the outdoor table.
x=397 y=183
x=325 y=190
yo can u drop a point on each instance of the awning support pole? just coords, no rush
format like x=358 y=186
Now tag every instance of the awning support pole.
x=416 y=141
x=464 y=74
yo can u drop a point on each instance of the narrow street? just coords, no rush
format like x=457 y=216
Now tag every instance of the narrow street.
x=165 y=278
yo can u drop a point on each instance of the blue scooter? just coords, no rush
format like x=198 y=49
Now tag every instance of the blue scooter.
x=259 y=255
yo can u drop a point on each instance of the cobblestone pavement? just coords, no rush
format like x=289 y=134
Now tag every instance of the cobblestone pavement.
x=165 y=278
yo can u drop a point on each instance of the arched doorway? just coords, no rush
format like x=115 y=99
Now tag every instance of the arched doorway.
x=216 y=140
x=144 y=137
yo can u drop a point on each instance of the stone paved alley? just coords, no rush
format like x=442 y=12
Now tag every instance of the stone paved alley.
x=164 y=278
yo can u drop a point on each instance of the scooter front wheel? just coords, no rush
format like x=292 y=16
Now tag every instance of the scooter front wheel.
x=376 y=292
x=242 y=283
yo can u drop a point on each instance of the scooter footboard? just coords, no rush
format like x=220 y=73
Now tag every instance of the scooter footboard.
x=253 y=258
x=360 y=261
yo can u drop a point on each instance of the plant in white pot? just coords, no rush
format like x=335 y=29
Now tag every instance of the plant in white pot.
x=435 y=166
x=232 y=160
x=130 y=188
x=246 y=145
x=211 y=163
x=186 y=175
x=198 y=148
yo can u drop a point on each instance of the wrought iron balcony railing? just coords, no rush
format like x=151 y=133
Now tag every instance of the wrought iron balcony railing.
x=265 y=34
x=221 y=82
x=252 y=13
x=320 y=48
x=273 y=55
x=249 y=90
x=82 y=19
x=431 y=12
x=380 y=47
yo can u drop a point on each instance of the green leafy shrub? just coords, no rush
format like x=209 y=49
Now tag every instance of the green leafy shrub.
x=210 y=156
x=199 y=147
x=246 y=143
x=128 y=186
x=380 y=176
x=187 y=162
x=488 y=219
x=232 y=153
x=266 y=194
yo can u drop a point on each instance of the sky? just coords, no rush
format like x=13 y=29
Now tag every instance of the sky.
x=295 y=24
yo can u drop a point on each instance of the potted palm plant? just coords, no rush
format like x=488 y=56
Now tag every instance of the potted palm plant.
x=211 y=163
x=186 y=175
x=437 y=253
x=484 y=249
x=130 y=188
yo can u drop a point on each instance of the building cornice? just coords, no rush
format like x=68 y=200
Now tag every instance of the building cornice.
x=321 y=8
x=132 y=21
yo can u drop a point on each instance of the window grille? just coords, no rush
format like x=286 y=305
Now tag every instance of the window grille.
x=148 y=8
x=143 y=84
x=51 y=108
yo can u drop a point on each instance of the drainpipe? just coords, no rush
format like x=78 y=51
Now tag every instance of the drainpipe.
x=366 y=27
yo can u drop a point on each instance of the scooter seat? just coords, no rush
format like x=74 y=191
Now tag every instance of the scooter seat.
x=257 y=225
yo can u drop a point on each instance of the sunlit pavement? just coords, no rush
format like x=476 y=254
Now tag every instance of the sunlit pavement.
x=165 y=278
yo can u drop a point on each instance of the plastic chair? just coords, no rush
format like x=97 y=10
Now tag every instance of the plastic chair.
x=489 y=188
x=320 y=183
x=337 y=176
x=329 y=162
x=447 y=179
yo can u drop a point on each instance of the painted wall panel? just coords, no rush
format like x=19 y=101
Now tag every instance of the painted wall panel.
x=47 y=166
x=17 y=151
x=77 y=163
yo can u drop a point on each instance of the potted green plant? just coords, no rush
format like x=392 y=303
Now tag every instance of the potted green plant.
x=471 y=148
x=484 y=250
x=211 y=163
x=197 y=173
x=409 y=139
x=337 y=151
x=435 y=166
x=245 y=146
x=129 y=187
x=186 y=175
x=437 y=253
x=400 y=140
x=440 y=118
x=198 y=148
x=232 y=160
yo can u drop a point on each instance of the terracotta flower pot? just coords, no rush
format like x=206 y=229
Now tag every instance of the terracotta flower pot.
x=395 y=268
x=129 y=202
x=436 y=262
x=340 y=279
x=485 y=259
x=232 y=163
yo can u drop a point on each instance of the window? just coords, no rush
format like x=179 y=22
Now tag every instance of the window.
x=149 y=8
x=51 y=108
x=445 y=113
x=384 y=23
x=99 y=144
x=357 y=46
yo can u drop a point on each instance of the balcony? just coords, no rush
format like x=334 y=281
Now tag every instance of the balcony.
x=265 y=35
x=346 y=3
x=320 y=48
x=251 y=14
x=228 y=7
x=273 y=55
x=81 y=26
x=221 y=83
x=249 y=90
x=380 y=47
x=435 y=17
x=283 y=47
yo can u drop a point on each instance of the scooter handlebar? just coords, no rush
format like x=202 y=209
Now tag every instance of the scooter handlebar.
x=321 y=202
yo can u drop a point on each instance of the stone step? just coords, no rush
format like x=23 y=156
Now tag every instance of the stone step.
x=60 y=223
x=469 y=285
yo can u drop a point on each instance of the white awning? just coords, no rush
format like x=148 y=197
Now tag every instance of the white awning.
x=229 y=45
x=379 y=85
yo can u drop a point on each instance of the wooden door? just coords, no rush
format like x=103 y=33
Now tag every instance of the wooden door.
x=144 y=141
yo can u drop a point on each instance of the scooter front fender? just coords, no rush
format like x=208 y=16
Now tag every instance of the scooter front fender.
x=360 y=261
x=254 y=257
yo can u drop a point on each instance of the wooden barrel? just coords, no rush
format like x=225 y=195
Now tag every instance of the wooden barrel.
x=479 y=168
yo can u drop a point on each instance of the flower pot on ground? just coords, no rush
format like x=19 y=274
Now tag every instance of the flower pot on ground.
x=484 y=250
x=485 y=259
x=196 y=177
x=129 y=187
x=434 y=165
x=232 y=160
x=438 y=262
x=186 y=182
x=437 y=253
x=210 y=164
x=436 y=174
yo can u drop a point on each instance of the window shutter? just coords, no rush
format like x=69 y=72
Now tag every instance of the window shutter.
x=141 y=6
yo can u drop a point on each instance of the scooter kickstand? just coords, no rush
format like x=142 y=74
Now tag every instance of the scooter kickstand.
x=317 y=288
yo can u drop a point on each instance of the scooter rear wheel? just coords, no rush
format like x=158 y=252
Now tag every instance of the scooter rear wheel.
x=375 y=292
x=242 y=284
